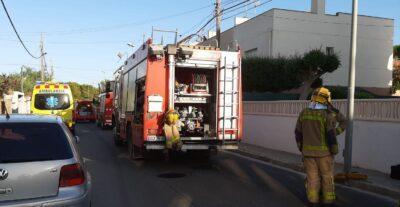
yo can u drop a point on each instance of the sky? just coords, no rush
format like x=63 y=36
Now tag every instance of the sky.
x=83 y=37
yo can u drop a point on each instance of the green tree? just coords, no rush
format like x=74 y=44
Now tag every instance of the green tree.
x=261 y=74
x=76 y=90
x=83 y=91
x=7 y=83
x=315 y=64
x=265 y=74
x=396 y=51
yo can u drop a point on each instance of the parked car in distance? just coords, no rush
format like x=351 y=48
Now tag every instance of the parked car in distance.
x=84 y=111
x=40 y=164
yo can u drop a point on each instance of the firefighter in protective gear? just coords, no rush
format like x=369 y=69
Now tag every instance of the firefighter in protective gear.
x=173 y=140
x=315 y=133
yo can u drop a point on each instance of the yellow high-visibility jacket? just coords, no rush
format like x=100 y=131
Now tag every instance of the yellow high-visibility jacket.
x=316 y=132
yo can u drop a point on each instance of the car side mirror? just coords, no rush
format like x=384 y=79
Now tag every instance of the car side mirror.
x=77 y=139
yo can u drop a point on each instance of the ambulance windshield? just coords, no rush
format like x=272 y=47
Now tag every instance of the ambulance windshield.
x=52 y=101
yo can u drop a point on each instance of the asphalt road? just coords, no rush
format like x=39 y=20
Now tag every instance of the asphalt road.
x=226 y=179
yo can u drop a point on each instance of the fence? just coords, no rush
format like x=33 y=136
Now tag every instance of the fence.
x=376 y=137
x=371 y=109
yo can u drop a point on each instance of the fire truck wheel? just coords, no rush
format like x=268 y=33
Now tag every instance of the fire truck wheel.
x=117 y=140
x=131 y=147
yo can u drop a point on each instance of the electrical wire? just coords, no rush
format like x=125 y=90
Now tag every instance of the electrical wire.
x=119 y=26
x=256 y=6
x=71 y=43
x=244 y=6
x=225 y=3
x=236 y=5
x=16 y=32
x=198 y=24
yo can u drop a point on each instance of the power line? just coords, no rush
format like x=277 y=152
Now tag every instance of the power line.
x=244 y=6
x=16 y=32
x=209 y=21
x=118 y=26
x=256 y=6
x=74 y=43
x=225 y=3
x=238 y=4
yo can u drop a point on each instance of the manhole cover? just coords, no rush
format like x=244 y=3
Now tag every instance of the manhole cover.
x=171 y=175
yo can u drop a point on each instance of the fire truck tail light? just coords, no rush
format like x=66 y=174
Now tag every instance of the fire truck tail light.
x=65 y=87
x=37 y=87
x=46 y=86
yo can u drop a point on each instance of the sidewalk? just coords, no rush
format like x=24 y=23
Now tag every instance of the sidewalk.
x=377 y=182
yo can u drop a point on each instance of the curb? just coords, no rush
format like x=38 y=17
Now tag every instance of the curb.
x=354 y=184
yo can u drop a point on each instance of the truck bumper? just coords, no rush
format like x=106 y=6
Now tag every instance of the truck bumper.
x=196 y=145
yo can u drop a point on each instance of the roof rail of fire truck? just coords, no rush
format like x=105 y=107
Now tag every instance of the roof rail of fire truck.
x=154 y=30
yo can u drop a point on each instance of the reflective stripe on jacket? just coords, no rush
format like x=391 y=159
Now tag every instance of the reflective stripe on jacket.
x=316 y=132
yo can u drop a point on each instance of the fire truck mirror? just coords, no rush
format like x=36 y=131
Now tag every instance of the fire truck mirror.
x=155 y=103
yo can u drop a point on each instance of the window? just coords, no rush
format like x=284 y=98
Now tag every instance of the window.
x=330 y=50
x=52 y=101
x=28 y=142
x=249 y=53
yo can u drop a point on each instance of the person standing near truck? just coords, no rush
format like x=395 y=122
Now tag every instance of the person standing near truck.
x=315 y=133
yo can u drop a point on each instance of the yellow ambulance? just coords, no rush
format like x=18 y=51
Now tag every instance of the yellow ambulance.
x=54 y=98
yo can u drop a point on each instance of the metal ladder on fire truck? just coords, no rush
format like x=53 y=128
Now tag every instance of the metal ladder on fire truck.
x=230 y=102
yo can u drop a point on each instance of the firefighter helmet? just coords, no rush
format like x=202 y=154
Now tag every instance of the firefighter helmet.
x=321 y=95
x=171 y=117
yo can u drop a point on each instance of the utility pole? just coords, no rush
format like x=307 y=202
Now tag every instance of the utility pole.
x=22 y=78
x=43 y=66
x=51 y=70
x=351 y=90
x=218 y=21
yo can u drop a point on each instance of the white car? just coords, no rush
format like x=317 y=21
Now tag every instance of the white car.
x=40 y=164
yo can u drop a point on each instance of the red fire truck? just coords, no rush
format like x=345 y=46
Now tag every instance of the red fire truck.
x=84 y=111
x=105 y=108
x=201 y=84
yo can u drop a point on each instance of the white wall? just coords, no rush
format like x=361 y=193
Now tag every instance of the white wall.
x=284 y=32
x=375 y=143
x=299 y=32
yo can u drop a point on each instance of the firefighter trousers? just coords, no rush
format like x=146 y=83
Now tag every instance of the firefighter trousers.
x=319 y=172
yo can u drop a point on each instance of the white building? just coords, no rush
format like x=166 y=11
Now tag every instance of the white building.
x=286 y=32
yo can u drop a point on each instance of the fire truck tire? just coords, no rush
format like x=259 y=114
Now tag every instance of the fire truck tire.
x=131 y=146
x=117 y=140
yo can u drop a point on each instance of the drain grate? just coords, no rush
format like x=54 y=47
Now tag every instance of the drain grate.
x=169 y=175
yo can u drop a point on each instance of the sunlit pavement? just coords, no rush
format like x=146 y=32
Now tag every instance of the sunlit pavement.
x=226 y=180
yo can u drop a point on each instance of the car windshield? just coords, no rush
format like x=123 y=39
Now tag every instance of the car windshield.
x=27 y=142
x=52 y=101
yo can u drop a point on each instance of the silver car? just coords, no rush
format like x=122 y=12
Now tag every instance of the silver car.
x=40 y=165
